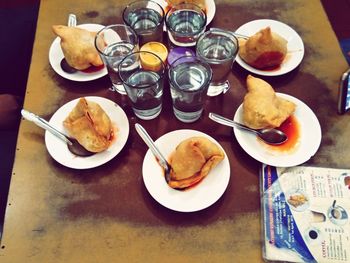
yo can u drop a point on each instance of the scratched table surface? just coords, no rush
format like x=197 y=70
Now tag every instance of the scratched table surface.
x=105 y=214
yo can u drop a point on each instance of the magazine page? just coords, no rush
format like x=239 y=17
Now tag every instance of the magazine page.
x=306 y=214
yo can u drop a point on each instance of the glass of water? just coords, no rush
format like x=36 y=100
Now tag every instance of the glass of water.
x=142 y=74
x=219 y=49
x=113 y=43
x=185 y=22
x=146 y=18
x=189 y=79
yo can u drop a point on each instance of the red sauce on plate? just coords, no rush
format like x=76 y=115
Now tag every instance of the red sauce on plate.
x=93 y=69
x=114 y=131
x=192 y=185
x=266 y=58
x=291 y=128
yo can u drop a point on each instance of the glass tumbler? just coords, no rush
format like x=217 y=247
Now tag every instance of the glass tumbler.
x=142 y=74
x=219 y=49
x=146 y=18
x=113 y=43
x=189 y=79
x=185 y=22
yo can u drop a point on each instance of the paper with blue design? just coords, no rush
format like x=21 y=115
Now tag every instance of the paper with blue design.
x=305 y=214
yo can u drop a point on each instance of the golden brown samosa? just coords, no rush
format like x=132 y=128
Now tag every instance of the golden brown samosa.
x=200 y=3
x=262 y=108
x=89 y=125
x=192 y=161
x=78 y=46
x=265 y=49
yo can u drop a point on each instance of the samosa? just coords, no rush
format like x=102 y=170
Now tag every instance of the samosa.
x=89 y=125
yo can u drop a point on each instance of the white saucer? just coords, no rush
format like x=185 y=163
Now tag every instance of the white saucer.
x=310 y=138
x=201 y=196
x=56 y=55
x=59 y=150
x=295 y=45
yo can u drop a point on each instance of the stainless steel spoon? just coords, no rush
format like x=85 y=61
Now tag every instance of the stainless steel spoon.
x=73 y=145
x=159 y=156
x=231 y=32
x=72 y=21
x=270 y=136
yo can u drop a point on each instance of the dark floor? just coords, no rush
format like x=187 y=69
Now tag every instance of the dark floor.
x=338 y=13
x=17 y=29
x=17 y=34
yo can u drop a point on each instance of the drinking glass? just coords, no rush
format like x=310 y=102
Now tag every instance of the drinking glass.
x=185 y=22
x=219 y=49
x=142 y=74
x=146 y=18
x=189 y=79
x=113 y=43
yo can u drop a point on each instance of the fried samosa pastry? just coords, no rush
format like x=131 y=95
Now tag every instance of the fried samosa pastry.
x=192 y=161
x=262 y=108
x=78 y=46
x=89 y=125
x=265 y=49
x=200 y=3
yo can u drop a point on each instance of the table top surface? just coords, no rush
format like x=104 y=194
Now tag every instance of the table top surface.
x=58 y=214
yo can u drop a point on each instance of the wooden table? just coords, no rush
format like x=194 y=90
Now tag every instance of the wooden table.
x=105 y=214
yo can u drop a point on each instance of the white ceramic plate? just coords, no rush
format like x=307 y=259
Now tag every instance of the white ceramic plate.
x=203 y=195
x=59 y=150
x=210 y=8
x=310 y=138
x=295 y=45
x=56 y=55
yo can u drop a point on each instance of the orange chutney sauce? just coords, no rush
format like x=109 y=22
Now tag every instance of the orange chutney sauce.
x=114 y=133
x=291 y=128
x=93 y=69
x=266 y=57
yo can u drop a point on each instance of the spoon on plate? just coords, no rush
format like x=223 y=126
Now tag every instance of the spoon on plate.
x=159 y=156
x=72 y=21
x=73 y=145
x=269 y=135
x=231 y=32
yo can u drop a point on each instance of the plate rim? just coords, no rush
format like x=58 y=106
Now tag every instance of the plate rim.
x=317 y=135
x=68 y=106
x=266 y=22
x=177 y=208
x=83 y=77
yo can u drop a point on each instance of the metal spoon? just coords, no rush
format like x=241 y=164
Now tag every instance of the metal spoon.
x=66 y=67
x=231 y=32
x=148 y=140
x=73 y=145
x=270 y=136
x=72 y=21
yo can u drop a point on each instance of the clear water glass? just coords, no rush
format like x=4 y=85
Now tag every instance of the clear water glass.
x=113 y=43
x=185 y=22
x=219 y=49
x=189 y=79
x=142 y=74
x=146 y=18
